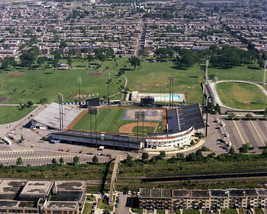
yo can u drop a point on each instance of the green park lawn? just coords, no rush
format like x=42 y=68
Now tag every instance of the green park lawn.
x=10 y=114
x=108 y=120
x=241 y=95
x=149 y=77
x=37 y=84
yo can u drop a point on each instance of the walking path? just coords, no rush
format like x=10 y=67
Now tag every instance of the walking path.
x=218 y=100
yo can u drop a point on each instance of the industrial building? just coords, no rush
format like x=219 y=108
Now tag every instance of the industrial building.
x=46 y=197
x=212 y=199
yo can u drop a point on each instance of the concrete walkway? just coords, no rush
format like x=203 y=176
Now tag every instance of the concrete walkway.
x=218 y=100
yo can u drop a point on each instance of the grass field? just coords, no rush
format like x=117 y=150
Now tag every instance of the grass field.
x=149 y=77
x=10 y=114
x=108 y=120
x=241 y=95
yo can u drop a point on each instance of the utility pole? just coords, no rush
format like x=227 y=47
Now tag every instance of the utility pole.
x=264 y=72
x=108 y=81
x=61 y=111
x=79 y=81
x=208 y=98
x=206 y=72
x=171 y=79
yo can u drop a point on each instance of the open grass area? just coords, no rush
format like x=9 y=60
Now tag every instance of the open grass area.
x=10 y=114
x=108 y=120
x=81 y=171
x=190 y=211
x=103 y=204
x=166 y=167
x=149 y=77
x=87 y=208
x=228 y=211
x=241 y=95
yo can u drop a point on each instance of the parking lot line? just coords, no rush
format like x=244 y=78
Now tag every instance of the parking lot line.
x=241 y=137
x=256 y=130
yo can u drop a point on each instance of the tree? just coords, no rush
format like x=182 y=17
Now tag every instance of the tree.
x=21 y=138
x=101 y=57
x=55 y=64
x=232 y=151
x=162 y=154
x=69 y=62
x=89 y=59
x=54 y=161
x=217 y=108
x=41 y=61
x=29 y=103
x=245 y=148
x=231 y=116
x=180 y=156
x=76 y=160
x=19 y=161
x=95 y=160
x=249 y=116
x=57 y=55
x=61 y=160
x=135 y=61
x=129 y=160
x=145 y=156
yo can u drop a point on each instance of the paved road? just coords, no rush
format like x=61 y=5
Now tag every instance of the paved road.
x=122 y=208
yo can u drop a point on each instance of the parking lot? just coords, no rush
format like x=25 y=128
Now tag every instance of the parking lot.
x=253 y=132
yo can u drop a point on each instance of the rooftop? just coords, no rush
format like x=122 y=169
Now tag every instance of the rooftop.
x=184 y=117
x=11 y=186
x=200 y=194
x=70 y=185
x=61 y=205
x=38 y=188
x=181 y=193
x=237 y=193
x=218 y=193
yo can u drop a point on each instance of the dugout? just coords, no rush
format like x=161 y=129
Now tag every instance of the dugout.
x=147 y=101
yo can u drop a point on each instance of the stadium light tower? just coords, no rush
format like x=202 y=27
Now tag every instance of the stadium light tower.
x=206 y=71
x=108 y=82
x=264 y=72
x=61 y=111
x=79 y=81
x=171 y=79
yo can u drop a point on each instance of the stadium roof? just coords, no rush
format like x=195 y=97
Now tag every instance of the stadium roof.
x=184 y=117
x=50 y=116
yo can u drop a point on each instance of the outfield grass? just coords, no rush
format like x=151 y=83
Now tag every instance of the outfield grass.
x=108 y=120
x=10 y=114
x=241 y=95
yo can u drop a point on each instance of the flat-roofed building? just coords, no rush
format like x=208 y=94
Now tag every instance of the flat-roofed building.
x=219 y=198
x=212 y=199
x=46 y=197
x=199 y=199
x=155 y=198
x=180 y=197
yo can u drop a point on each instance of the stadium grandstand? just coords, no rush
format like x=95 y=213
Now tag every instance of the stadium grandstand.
x=182 y=123
x=48 y=118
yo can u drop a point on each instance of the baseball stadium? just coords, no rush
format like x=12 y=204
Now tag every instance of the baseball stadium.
x=133 y=127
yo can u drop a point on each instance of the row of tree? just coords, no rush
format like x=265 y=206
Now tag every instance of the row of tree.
x=226 y=57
